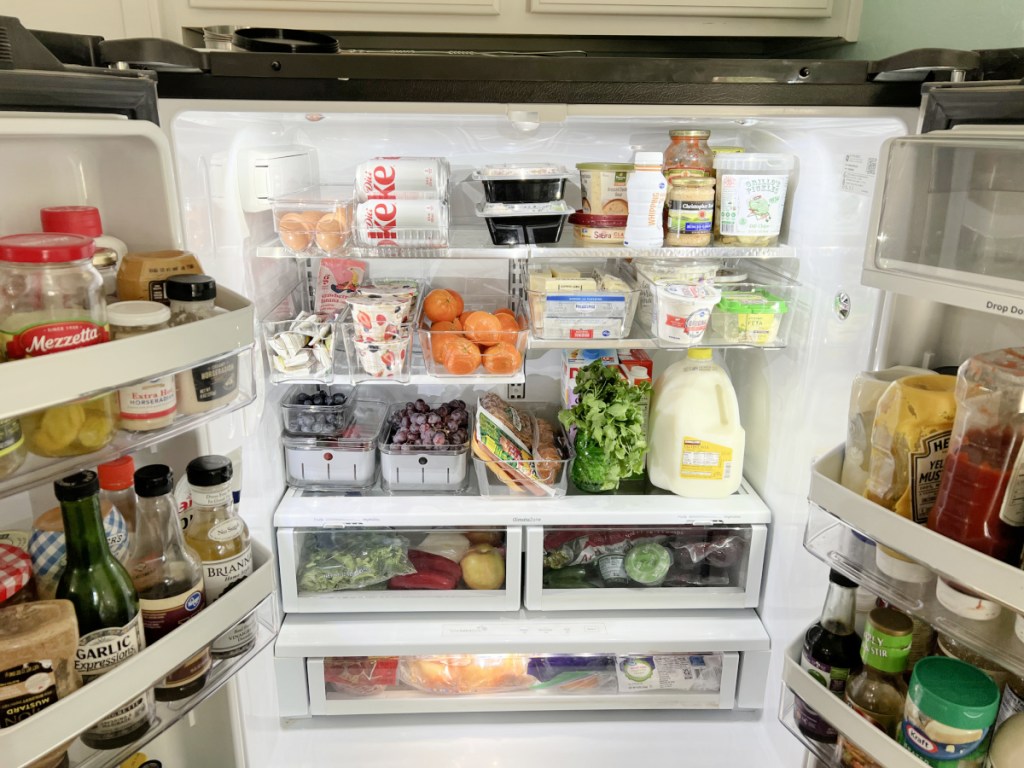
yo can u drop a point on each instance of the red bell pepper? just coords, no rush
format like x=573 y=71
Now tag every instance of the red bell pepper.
x=423 y=580
x=427 y=562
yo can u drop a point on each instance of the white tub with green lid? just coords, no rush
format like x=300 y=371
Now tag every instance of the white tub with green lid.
x=749 y=316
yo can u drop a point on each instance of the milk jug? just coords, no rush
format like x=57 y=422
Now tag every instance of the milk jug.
x=695 y=439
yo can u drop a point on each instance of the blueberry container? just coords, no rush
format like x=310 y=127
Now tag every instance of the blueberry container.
x=317 y=411
x=525 y=223
x=522 y=182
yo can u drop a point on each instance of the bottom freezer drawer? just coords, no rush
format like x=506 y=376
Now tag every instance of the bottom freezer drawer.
x=368 y=685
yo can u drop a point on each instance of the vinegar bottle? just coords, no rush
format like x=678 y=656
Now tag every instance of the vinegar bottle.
x=646 y=191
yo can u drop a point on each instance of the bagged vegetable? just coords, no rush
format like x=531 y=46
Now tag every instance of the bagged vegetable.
x=571 y=674
x=337 y=560
x=468 y=673
x=361 y=675
x=447 y=544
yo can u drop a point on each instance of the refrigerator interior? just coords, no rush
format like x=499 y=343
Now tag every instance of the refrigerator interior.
x=793 y=401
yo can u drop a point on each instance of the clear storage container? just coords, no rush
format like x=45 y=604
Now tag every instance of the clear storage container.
x=484 y=348
x=526 y=223
x=749 y=314
x=599 y=304
x=750 y=198
x=385 y=359
x=347 y=460
x=313 y=411
x=315 y=221
x=522 y=182
x=417 y=466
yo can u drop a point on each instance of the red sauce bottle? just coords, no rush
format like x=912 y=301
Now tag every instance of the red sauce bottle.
x=981 y=497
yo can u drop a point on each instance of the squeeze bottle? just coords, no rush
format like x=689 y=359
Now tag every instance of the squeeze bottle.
x=695 y=439
x=646 y=190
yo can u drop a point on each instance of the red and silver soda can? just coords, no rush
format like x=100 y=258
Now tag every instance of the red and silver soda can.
x=416 y=223
x=399 y=178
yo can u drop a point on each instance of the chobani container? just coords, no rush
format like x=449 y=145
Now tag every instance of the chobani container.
x=948 y=716
x=751 y=197
x=592 y=230
x=604 y=187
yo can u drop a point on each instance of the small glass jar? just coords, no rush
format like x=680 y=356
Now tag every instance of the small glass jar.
x=691 y=209
x=213 y=384
x=51 y=296
x=689 y=155
x=12 y=447
x=16 y=583
x=72 y=429
x=151 y=404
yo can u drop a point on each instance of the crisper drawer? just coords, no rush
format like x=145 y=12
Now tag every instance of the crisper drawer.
x=949 y=219
x=616 y=568
x=400 y=569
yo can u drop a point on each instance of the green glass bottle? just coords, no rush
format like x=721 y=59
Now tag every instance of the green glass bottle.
x=106 y=606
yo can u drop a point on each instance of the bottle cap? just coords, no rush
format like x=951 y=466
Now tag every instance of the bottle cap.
x=117 y=475
x=138 y=313
x=888 y=637
x=15 y=570
x=837 y=578
x=648 y=159
x=154 y=480
x=698 y=353
x=690 y=133
x=191 y=288
x=76 y=487
x=954 y=693
x=45 y=248
x=79 y=219
x=206 y=471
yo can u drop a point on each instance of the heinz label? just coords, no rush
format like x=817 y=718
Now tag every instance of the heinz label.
x=47 y=338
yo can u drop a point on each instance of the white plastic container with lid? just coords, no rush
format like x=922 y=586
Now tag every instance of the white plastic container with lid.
x=646 y=190
x=150 y=404
x=696 y=442
x=751 y=197
x=85 y=220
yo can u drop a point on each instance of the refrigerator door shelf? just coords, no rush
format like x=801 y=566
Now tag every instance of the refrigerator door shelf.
x=22 y=743
x=840 y=547
x=986 y=576
x=736 y=584
x=41 y=382
x=408 y=701
x=307 y=509
x=38 y=470
x=290 y=546
x=839 y=714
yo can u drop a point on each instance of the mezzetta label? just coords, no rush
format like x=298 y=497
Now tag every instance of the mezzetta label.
x=46 y=338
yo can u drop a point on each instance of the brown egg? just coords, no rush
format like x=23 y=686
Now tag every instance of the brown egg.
x=329 y=233
x=311 y=218
x=295 y=232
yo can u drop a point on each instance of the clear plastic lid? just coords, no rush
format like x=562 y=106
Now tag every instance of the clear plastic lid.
x=520 y=172
x=555 y=208
x=361 y=433
x=754 y=161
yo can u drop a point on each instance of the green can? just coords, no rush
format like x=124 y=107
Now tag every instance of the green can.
x=951 y=707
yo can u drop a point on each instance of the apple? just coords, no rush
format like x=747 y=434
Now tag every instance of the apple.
x=483 y=567
x=484 y=537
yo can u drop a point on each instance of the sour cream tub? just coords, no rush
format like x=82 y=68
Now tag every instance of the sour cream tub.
x=592 y=230
x=604 y=188
x=682 y=311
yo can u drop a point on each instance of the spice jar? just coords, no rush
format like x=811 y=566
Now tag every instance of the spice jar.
x=691 y=207
x=151 y=404
x=143 y=276
x=16 y=582
x=689 y=155
x=85 y=220
x=38 y=643
x=212 y=384
x=51 y=296
x=12 y=446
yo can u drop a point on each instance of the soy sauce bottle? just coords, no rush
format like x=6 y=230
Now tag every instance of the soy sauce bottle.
x=831 y=653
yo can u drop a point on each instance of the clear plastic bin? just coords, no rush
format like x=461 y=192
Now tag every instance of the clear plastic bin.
x=315 y=221
x=415 y=466
x=681 y=312
x=483 y=349
x=749 y=314
x=387 y=359
x=327 y=415
x=300 y=347
x=525 y=224
x=505 y=471
x=649 y=274
x=346 y=461
x=602 y=307
x=522 y=182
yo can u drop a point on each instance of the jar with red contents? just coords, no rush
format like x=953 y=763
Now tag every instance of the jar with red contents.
x=981 y=497
x=16 y=582
x=51 y=296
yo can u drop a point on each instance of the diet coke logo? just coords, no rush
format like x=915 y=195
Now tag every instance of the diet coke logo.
x=379 y=182
x=380 y=221
x=54 y=337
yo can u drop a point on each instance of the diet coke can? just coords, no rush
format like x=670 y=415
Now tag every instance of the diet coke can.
x=415 y=223
x=402 y=178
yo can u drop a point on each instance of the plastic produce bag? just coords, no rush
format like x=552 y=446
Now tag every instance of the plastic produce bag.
x=469 y=673
x=361 y=675
x=573 y=674
x=337 y=560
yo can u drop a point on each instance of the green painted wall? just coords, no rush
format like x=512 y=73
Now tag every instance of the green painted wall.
x=891 y=26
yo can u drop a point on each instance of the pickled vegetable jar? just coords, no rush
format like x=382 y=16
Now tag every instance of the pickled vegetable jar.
x=73 y=429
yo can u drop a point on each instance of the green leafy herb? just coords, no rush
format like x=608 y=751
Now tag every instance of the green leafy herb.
x=335 y=560
x=610 y=414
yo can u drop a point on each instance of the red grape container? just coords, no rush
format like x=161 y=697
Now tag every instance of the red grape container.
x=424 y=447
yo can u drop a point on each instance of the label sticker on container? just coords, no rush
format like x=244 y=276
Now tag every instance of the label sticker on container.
x=677 y=672
x=858 y=174
x=26 y=689
x=685 y=217
x=1012 y=510
x=926 y=474
x=752 y=205
x=11 y=437
x=152 y=399
x=218 y=575
x=1012 y=704
x=585 y=306
x=702 y=460
x=213 y=381
x=47 y=338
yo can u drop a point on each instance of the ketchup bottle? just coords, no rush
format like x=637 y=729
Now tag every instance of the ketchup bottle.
x=981 y=497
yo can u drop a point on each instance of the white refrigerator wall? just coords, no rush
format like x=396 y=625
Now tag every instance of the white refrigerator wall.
x=793 y=401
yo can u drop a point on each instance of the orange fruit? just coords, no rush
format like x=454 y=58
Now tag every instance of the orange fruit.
x=462 y=318
x=483 y=328
x=502 y=358
x=459 y=303
x=458 y=324
x=461 y=356
x=509 y=328
x=504 y=311
x=440 y=334
x=440 y=304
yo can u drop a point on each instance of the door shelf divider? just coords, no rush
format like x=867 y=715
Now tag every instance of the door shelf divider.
x=987 y=576
x=60 y=722
x=841 y=716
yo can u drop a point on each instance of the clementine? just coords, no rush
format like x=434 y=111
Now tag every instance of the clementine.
x=504 y=311
x=461 y=356
x=459 y=303
x=509 y=328
x=440 y=304
x=483 y=328
x=438 y=337
x=502 y=359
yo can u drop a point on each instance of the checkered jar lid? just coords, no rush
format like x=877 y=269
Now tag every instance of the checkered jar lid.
x=15 y=571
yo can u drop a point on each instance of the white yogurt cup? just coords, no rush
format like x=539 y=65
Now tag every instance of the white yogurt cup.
x=683 y=311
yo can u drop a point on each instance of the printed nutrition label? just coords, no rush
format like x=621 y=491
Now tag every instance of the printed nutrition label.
x=858 y=174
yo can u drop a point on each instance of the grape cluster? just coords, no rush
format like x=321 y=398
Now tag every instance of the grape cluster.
x=317 y=421
x=418 y=427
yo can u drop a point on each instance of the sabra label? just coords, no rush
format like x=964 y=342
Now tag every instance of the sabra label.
x=159 y=617
x=926 y=474
x=219 y=575
x=99 y=652
x=702 y=460
x=211 y=495
x=47 y=338
x=148 y=400
x=26 y=689
x=1012 y=510
x=11 y=437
